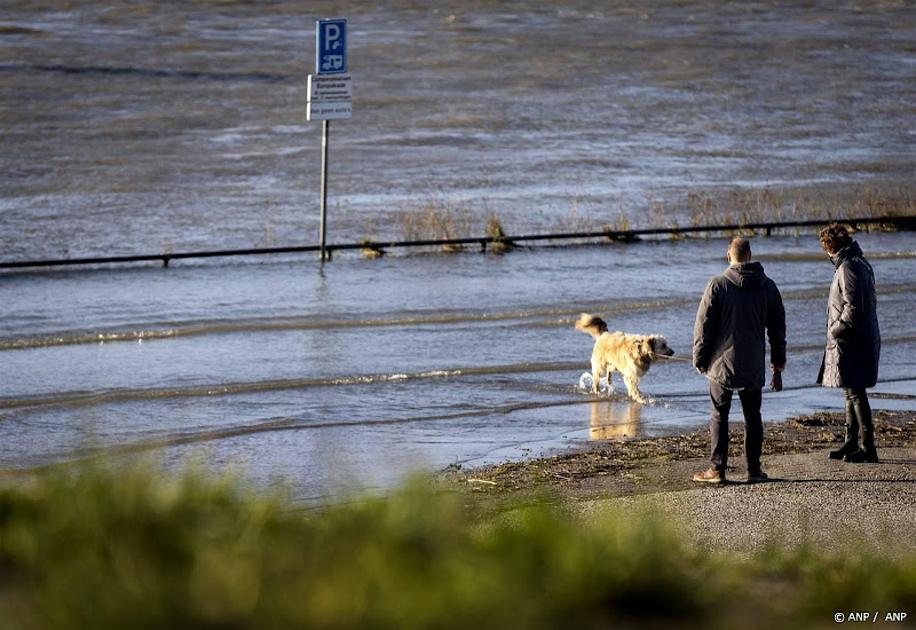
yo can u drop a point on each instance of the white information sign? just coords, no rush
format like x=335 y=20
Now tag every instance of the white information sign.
x=330 y=97
x=334 y=87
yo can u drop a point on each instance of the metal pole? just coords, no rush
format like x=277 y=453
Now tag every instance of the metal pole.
x=325 y=124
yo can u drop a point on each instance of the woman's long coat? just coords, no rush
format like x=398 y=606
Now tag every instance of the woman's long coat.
x=853 y=338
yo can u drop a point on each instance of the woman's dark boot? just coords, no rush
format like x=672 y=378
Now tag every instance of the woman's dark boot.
x=868 y=452
x=862 y=455
x=863 y=414
x=851 y=445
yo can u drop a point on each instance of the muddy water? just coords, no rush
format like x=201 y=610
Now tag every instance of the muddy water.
x=142 y=128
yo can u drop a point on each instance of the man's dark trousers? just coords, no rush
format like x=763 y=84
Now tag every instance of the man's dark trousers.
x=718 y=425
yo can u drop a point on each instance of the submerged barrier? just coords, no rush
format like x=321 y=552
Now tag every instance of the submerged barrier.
x=905 y=222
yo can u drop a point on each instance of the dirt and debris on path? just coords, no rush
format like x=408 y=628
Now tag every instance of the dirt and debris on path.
x=665 y=463
x=809 y=499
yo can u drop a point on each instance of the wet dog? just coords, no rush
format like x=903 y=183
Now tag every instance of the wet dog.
x=631 y=355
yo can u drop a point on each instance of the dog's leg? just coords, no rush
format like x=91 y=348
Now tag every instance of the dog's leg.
x=596 y=374
x=632 y=383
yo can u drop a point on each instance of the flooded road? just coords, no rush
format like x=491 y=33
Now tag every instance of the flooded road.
x=369 y=369
x=148 y=128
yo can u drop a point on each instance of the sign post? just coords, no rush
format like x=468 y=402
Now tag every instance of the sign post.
x=322 y=226
x=329 y=98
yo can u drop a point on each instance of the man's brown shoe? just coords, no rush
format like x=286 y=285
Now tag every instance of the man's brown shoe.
x=710 y=476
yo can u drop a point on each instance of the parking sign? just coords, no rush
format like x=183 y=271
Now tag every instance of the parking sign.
x=331 y=46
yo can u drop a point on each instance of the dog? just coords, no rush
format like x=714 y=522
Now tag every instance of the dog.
x=631 y=355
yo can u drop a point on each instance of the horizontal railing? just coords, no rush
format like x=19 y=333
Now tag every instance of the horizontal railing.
x=907 y=222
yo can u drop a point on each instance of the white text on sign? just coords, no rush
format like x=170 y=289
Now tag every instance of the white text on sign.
x=337 y=87
x=329 y=110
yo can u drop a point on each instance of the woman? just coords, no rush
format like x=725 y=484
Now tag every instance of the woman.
x=853 y=340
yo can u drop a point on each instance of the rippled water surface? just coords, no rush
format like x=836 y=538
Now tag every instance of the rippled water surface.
x=142 y=128
x=368 y=369
x=145 y=128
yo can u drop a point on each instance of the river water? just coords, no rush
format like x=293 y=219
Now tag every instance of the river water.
x=369 y=369
x=133 y=128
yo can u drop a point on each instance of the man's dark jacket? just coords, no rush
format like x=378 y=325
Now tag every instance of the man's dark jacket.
x=737 y=309
x=853 y=338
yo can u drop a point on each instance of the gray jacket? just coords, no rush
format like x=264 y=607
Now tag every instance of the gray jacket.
x=729 y=343
x=853 y=338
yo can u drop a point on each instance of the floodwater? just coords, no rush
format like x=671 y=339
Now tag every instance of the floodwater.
x=369 y=369
x=142 y=128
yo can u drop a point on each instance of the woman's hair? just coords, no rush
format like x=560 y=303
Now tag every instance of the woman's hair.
x=835 y=237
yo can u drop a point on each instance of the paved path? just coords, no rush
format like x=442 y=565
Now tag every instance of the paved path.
x=808 y=499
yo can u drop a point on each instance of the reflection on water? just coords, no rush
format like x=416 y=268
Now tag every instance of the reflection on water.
x=614 y=420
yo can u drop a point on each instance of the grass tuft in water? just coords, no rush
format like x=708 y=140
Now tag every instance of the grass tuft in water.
x=435 y=221
x=494 y=229
x=770 y=205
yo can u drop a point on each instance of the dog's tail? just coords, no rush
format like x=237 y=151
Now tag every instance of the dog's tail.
x=591 y=325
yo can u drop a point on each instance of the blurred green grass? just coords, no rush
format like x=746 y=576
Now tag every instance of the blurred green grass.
x=132 y=546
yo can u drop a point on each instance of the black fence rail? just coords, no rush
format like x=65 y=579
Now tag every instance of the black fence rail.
x=905 y=222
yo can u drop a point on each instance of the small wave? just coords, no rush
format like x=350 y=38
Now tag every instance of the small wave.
x=271 y=425
x=81 y=337
x=170 y=330
x=83 y=398
x=548 y=316
x=287 y=423
x=15 y=29
x=88 y=398
x=155 y=73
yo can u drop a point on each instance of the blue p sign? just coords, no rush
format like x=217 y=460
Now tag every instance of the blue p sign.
x=331 y=46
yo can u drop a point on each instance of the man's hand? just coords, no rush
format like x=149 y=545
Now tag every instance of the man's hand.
x=776 y=381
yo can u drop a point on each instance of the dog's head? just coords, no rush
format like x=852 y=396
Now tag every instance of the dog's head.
x=590 y=324
x=656 y=345
x=653 y=346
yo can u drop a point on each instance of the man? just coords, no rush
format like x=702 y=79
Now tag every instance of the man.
x=729 y=348
x=853 y=340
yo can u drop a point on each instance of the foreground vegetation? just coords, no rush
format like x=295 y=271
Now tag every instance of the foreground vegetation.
x=134 y=547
